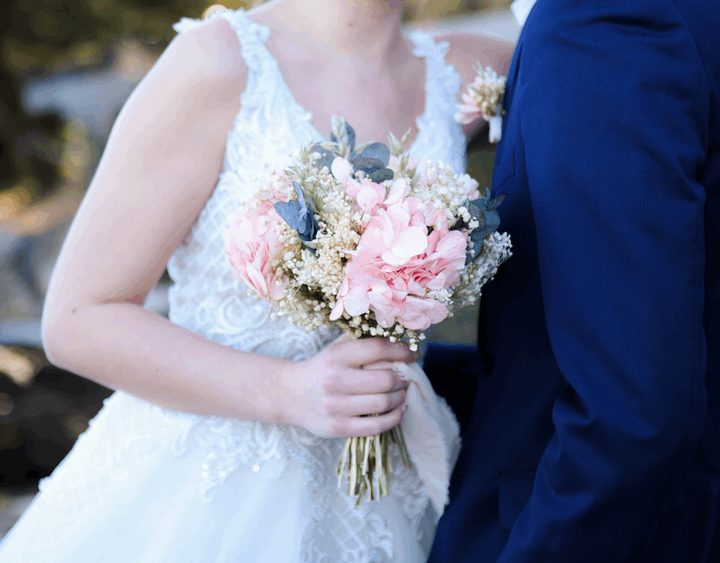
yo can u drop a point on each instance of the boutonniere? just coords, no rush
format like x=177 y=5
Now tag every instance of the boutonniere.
x=483 y=99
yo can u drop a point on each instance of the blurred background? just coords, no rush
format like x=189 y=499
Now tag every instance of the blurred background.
x=66 y=68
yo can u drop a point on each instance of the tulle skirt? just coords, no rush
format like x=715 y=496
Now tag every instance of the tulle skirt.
x=135 y=489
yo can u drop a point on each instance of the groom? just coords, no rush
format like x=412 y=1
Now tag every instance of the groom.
x=595 y=432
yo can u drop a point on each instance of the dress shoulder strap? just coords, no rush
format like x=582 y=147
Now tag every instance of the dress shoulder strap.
x=426 y=46
x=442 y=80
x=262 y=66
x=442 y=84
x=269 y=124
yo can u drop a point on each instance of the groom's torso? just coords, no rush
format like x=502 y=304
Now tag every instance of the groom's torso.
x=512 y=418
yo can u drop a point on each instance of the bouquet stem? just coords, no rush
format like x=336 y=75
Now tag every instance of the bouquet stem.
x=367 y=461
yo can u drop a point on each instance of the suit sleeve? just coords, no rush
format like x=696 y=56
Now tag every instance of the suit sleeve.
x=612 y=101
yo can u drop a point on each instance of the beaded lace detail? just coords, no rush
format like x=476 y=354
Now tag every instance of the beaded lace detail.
x=440 y=136
x=206 y=299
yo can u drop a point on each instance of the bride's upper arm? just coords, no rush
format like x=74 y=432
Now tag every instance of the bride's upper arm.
x=160 y=165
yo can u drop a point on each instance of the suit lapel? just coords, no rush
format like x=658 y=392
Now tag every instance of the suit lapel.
x=506 y=144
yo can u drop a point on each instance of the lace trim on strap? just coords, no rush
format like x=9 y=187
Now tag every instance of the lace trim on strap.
x=267 y=99
x=445 y=140
x=186 y=24
x=252 y=35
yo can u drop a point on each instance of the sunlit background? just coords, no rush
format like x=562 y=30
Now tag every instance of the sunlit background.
x=66 y=68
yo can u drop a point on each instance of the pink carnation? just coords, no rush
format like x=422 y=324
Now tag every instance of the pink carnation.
x=252 y=245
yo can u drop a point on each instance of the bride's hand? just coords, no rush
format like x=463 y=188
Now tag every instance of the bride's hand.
x=330 y=393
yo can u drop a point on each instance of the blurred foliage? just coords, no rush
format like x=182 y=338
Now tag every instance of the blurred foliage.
x=56 y=33
x=38 y=37
x=51 y=36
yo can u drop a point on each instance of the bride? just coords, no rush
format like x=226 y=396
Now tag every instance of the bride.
x=221 y=441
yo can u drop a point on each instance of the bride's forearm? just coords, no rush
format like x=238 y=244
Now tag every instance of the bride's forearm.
x=123 y=346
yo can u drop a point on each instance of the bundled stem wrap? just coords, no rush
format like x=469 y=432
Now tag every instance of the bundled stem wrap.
x=428 y=440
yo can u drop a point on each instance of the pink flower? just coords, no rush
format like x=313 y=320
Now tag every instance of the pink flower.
x=445 y=259
x=394 y=234
x=483 y=100
x=420 y=314
x=397 y=262
x=387 y=305
x=472 y=107
x=252 y=245
x=398 y=191
x=356 y=301
x=467 y=114
x=368 y=195
x=434 y=216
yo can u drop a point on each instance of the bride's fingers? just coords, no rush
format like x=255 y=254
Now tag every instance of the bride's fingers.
x=364 y=382
x=358 y=405
x=369 y=425
x=368 y=351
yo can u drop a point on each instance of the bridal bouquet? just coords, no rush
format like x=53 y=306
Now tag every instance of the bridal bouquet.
x=371 y=241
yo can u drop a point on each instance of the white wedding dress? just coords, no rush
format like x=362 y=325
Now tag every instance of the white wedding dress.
x=150 y=485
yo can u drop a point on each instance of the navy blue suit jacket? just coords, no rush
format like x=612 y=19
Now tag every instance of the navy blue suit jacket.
x=594 y=435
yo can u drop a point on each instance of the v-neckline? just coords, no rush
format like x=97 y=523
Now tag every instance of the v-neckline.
x=319 y=137
x=419 y=120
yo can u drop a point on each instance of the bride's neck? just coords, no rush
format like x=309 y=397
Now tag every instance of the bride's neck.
x=362 y=27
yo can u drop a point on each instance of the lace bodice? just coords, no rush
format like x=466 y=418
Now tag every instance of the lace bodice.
x=206 y=299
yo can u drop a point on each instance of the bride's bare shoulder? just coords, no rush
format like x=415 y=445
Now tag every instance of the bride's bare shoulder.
x=466 y=50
